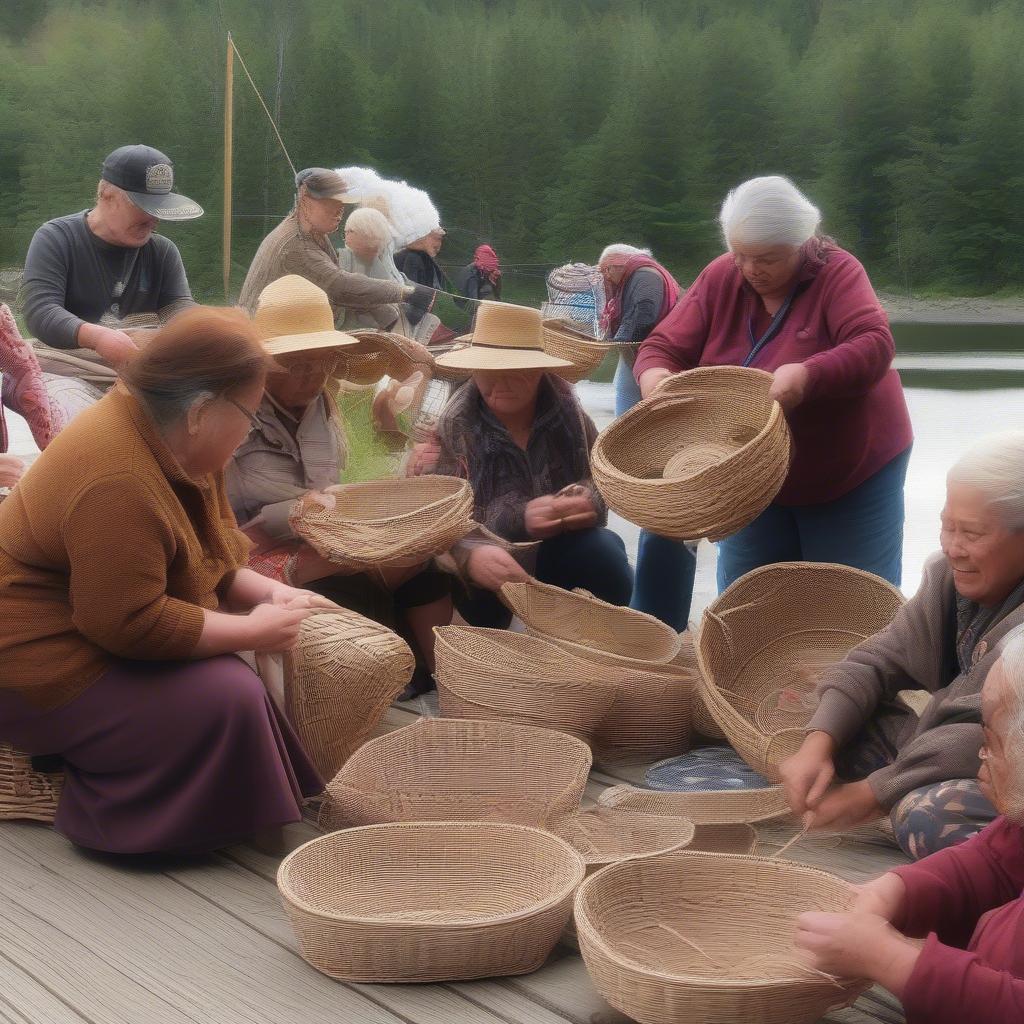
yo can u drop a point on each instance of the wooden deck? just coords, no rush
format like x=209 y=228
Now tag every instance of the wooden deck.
x=91 y=940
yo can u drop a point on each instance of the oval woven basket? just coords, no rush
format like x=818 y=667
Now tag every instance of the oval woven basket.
x=770 y=634
x=26 y=794
x=397 y=522
x=708 y=937
x=703 y=723
x=339 y=680
x=607 y=835
x=443 y=769
x=567 y=341
x=429 y=901
x=728 y=444
x=382 y=354
x=515 y=677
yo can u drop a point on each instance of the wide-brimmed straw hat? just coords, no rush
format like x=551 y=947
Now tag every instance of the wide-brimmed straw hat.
x=505 y=337
x=294 y=315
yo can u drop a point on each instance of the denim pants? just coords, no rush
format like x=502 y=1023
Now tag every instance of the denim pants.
x=665 y=568
x=862 y=529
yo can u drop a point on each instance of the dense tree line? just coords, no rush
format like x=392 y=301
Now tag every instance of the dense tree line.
x=546 y=127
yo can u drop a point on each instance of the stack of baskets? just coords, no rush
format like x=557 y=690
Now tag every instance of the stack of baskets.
x=26 y=794
x=763 y=641
x=701 y=457
x=565 y=340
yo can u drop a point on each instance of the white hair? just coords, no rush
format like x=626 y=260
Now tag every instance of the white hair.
x=372 y=224
x=621 y=249
x=995 y=466
x=768 y=211
x=1011 y=659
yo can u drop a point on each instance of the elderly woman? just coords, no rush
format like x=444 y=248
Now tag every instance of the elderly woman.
x=944 y=935
x=518 y=434
x=301 y=245
x=295 y=451
x=369 y=250
x=125 y=596
x=788 y=300
x=920 y=768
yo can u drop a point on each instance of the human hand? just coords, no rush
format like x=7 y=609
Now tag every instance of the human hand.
x=883 y=896
x=11 y=469
x=489 y=567
x=322 y=498
x=115 y=348
x=272 y=628
x=807 y=775
x=284 y=596
x=420 y=297
x=789 y=382
x=650 y=379
x=574 y=506
x=423 y=458
x=845 y=807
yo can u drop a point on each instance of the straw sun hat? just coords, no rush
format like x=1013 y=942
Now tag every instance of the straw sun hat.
x=294 y=315
x=505 y=337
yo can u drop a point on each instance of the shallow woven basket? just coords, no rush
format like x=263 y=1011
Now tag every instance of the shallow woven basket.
x=399 y=522
x=429 y=901
x=456 y=770
x=653 y=710
x=566 y=341
x=26 y=794
x=708 y=937
x=728 y=444
x=771 y=633
x=515 y=677
x=607 y=835
x=339 y=680
x=382 y=354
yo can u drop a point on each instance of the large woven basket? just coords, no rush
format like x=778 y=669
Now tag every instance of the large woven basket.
x=458 y=770
x=382 y=354
x=607 y=835
x=339 y=680
x=701 y=457
x=399 y=522
x=567 y=341
x=703 y=723
x=764 y=641
x=651 y=717
x=24 y=792
x=515 y=677
x=429 y=901
x=708 y=937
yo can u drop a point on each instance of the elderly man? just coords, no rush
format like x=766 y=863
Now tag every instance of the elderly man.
x=944 y=935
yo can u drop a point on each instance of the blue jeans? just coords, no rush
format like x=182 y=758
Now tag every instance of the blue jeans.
x=665 y=568
x=862 y=529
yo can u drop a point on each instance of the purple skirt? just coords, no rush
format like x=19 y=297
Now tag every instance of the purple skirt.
x=160 y=756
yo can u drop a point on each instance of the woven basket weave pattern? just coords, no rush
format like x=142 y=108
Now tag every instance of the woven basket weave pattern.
x=455 y=770
x=701 y=937
x=26 y=794
x=429 y=901
x=607 y=835
x=775 y=628
x=566 y=342
x=728 y=444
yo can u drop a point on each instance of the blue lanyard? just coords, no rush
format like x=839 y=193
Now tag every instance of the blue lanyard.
x=773 y=328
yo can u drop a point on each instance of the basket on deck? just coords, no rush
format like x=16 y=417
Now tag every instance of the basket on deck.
x=565 y=340
x=701 y=457
x=515 y=677
x=607 y=835
x=429 y=901
x=339 y=680
x=382 y=354
x=441 y=769
x=388 y=523
x=652 y=715
x=26 y=794
x=708 y=937
x=703 y=723
x=764 y=641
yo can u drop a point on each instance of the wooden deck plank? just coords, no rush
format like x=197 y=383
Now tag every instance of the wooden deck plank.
x=24 y=1000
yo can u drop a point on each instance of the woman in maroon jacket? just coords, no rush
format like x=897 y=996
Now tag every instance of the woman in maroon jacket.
x=946 y=935
x=788 y=300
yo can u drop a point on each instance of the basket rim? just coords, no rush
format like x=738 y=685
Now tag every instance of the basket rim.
x=459 y=490
x=552 y=900
x=683 y=823
x=626 y=789
x=584 y=922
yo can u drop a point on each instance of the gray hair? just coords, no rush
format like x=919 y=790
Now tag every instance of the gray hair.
x=995 y=466
x=372 y=224
x=621 y=249
x=768 y=211
x=1011 y=657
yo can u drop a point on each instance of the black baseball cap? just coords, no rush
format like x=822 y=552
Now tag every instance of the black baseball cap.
x=147 y=175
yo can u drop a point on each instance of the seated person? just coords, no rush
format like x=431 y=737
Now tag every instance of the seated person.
x=519 y=435
x=921 y=769
x=125 y=597
x=369 y=250
x=964 y=902
x=297 y=446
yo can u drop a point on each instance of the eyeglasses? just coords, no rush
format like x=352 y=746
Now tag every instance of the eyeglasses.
x=250 y=416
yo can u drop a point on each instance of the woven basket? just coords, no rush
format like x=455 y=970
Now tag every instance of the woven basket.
x=25 y=793
x=728 y=445
x=607 y=835
x=772 y=632
x=399 y=522
x=382 y=354
x=339 y=680
x=703 y=723
x=566 y=341
x=457 y=770
x=429 y=901
x=514 y=677
x=707 y=937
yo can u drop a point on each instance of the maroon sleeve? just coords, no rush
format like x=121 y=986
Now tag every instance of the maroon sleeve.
x=678 y=340
x=862 y=345
x=951 y=986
